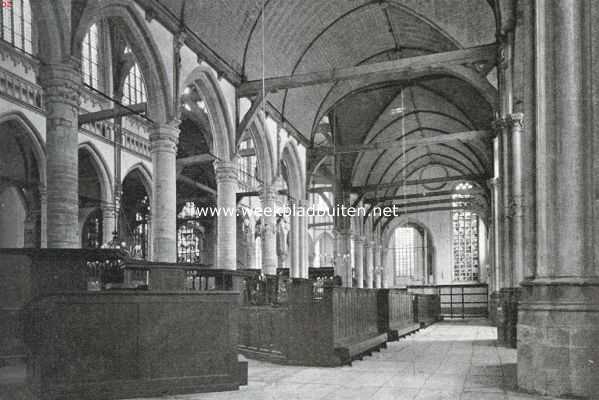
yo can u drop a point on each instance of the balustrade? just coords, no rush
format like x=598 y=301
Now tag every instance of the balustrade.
x=20 y=90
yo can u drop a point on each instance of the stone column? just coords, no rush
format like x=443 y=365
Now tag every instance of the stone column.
x=226 y=225
x=61 y=85
x=269 y=239
x=294 y=242
x=558 y=324
x=44 y=215
x=163 y=142
x=359 y=260
x=369 y=246
x=305 y=248
x=108 y=222
x=377 y=265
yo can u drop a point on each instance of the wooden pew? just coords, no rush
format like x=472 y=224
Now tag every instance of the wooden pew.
x=92 y=332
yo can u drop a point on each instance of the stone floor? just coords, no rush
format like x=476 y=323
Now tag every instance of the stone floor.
x=449 y=360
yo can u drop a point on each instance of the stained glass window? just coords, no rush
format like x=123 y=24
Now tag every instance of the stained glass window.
x=190 y=236
x=90 y=56
x=15 y=22
x=465 y=246
x=134 y=89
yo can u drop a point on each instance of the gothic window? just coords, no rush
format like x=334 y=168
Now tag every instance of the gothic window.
x=190 y=236
x=90 y=56
x=465 y=246
x=15 y=22
x=134 y=89
x=406 y=250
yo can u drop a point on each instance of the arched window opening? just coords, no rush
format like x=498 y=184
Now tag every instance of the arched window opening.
x=15 y=22
x=134 y=216
x=191 y=236
x=134 y=88
x=407 y=251
x=247 y=164
x=90 y=54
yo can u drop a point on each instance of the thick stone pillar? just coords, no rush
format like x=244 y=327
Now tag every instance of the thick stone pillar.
x=163 y=141
x=226 y=225
x=61 y=85
x=558 y=324
x=369 y=246
x=359 y=260
x=269 y=238
x=108 y=222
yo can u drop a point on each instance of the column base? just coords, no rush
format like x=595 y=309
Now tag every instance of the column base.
x=558 y=343
x=507 y=317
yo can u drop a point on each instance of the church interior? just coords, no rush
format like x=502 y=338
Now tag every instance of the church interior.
x=146 y=141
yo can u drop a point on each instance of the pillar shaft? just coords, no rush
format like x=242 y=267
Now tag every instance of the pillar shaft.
x=342 y=257
x=369 y=265
x=359 y=260
x=269 y=239
x=108 y=222
x=61 y=85
x=517 y=206
x=559 y=309
x=163 y=141
x=226 y=229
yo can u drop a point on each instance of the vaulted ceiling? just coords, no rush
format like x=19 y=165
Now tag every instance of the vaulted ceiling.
x=274 y=38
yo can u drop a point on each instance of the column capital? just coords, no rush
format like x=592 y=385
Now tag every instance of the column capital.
x=499 y=124
x=62 y=84
x=515 y=120
x=164 y=137
x=226 y=171
x=268 y=194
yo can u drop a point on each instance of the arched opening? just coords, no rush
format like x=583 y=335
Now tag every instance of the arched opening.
x=21 y=177
x=134 y=215
x=409 y=255
x=324 y=251
x=13 y=211
x=90 y=201
x=196 y=184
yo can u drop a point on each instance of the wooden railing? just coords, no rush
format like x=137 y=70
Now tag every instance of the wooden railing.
x=459 y=301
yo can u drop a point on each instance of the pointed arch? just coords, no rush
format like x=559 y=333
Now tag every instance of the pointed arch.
x=145 y=175
x=221 y=123
x=158 y=83
x=101 y=169
x=290 y=157
x=34 y=137
x=264 y=148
